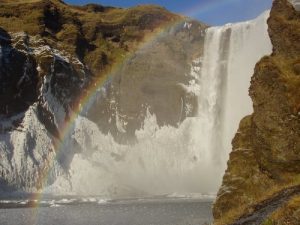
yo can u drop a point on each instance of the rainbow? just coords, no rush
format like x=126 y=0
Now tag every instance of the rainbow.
x=87 y=98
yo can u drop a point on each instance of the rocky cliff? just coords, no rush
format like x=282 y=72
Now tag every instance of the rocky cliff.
x=261 y=183
x=51 y=54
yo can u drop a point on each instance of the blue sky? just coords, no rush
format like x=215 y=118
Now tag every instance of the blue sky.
x=214 y=12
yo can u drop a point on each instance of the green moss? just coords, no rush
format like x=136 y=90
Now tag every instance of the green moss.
x=268 y=222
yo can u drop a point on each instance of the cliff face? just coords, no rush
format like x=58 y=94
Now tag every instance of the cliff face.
x=153 y=79
x=263 y=169
x=38 y=85
x=51 y=53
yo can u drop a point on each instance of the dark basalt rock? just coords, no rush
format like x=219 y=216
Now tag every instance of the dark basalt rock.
x=18 y=76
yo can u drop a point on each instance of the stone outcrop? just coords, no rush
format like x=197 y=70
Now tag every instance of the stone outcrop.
x=39 y=85
x=265 y=159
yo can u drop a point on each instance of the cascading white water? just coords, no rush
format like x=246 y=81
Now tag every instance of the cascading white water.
x=190 y=158
x=230 y=54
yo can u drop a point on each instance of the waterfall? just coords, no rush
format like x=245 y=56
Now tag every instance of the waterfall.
x=185 y=159
x=230 y=54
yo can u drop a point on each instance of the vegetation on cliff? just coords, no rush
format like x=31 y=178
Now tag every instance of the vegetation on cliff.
x=98 y=35
x=265 y=159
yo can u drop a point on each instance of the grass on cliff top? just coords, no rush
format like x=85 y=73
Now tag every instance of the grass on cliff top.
x=20 y=15
x=15 y=19
x=53 y=16
x=18 y=1
x=99 y=36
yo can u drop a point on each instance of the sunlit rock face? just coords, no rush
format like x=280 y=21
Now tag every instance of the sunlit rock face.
x=264 y=168
x=37 y=83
